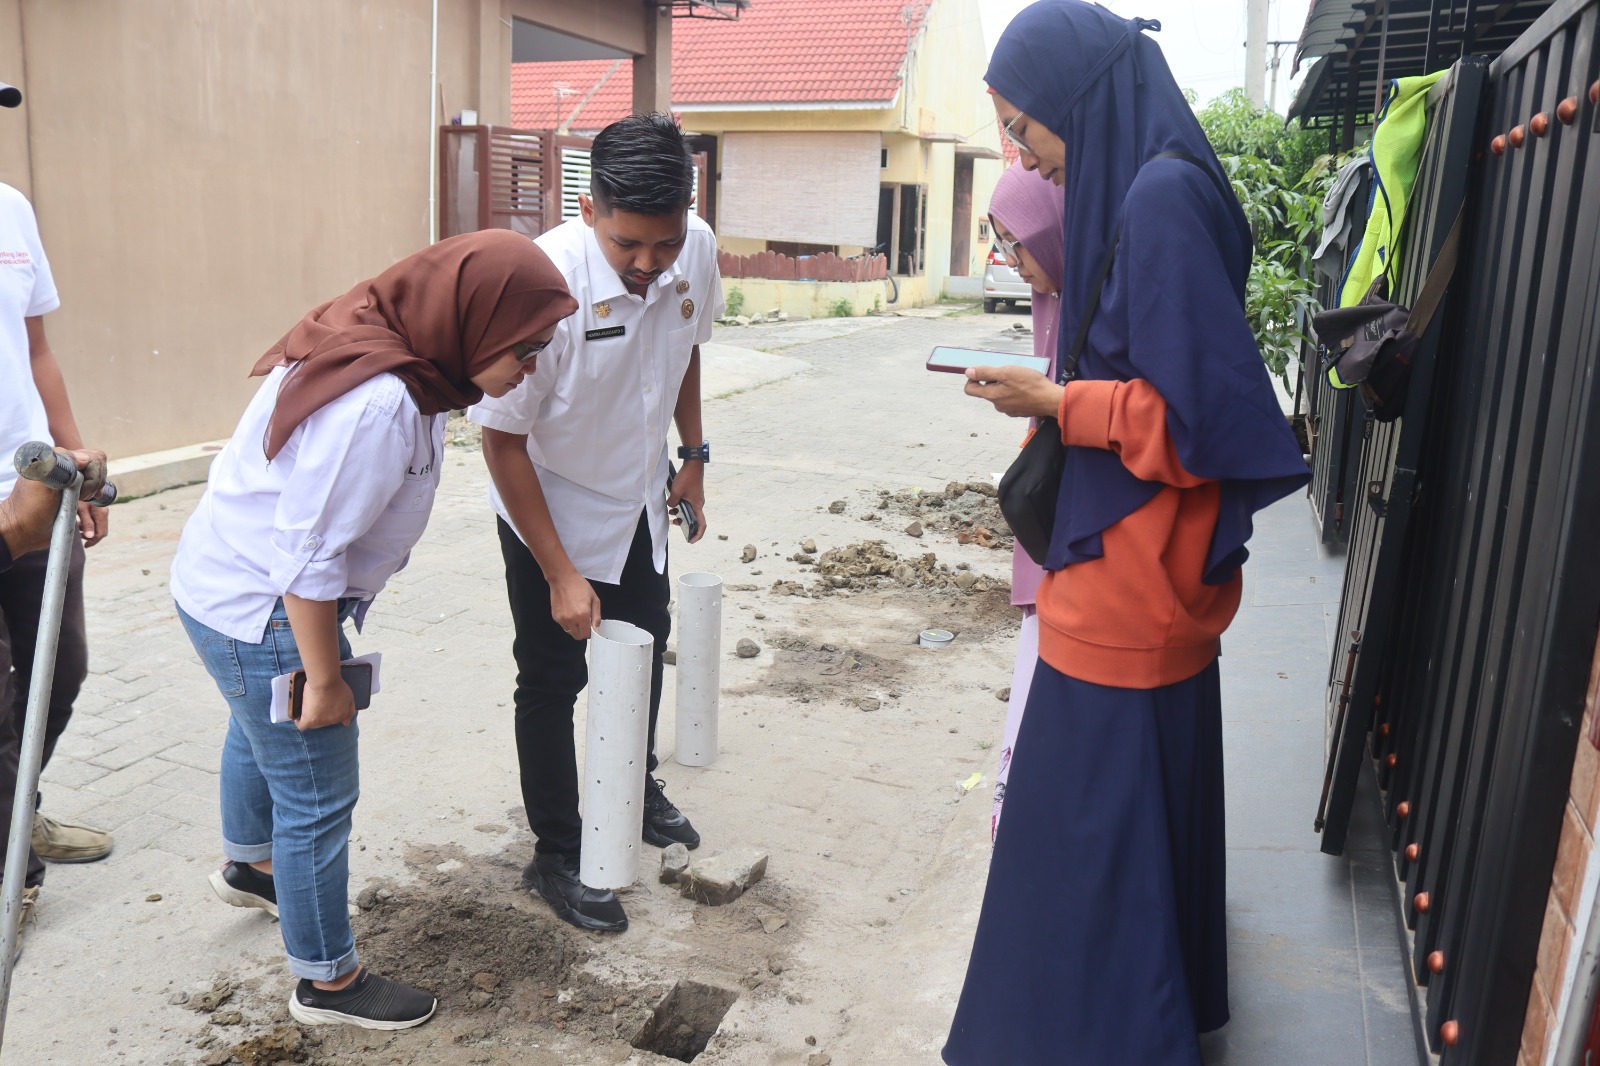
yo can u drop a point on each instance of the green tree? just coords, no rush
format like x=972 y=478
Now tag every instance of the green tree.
x=1280 y=177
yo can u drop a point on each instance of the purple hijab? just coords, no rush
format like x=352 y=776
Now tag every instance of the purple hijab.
x=1172 y=311
x=1032 y=209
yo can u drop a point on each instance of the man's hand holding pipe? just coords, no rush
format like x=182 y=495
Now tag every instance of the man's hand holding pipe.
x=29 y=513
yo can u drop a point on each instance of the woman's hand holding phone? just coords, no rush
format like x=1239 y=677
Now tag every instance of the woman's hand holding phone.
x=326 y=702
x=1015 y=390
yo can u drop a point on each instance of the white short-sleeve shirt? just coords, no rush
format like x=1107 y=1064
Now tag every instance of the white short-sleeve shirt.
x=598 y=408
x=334 y=515
x=26 y=290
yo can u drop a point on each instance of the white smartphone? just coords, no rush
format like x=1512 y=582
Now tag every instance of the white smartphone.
x=957 y=360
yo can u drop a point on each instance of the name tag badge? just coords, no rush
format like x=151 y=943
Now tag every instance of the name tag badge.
x=604 y=332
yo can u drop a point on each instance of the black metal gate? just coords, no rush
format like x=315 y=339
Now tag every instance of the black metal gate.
x=1477 y=616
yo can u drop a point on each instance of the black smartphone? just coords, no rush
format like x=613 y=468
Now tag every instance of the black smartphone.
x=684 y=510
x=957 y=360
x=357 y=675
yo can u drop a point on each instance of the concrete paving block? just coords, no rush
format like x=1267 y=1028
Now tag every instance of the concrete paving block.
x=199 y=756
x=74 y=744
x=201 y=784
x=133 y=750
x=115 y=811
x=87 y=723
x=71 y=773
x=141 y=831
x=720 y=879
x=130 y=777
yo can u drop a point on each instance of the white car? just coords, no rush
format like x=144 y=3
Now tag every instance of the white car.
x=1001 y=284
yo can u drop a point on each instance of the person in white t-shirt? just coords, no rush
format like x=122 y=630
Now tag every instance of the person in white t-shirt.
x=34 y=406
x=578 y=460
x=314 y=504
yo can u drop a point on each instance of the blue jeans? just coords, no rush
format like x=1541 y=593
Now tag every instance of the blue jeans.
x=287 y=795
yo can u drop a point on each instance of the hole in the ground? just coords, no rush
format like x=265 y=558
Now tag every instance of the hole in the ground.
x=685 y=1020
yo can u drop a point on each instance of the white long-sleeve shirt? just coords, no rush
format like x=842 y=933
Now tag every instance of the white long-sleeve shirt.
x=333 y=516
x=597 y=410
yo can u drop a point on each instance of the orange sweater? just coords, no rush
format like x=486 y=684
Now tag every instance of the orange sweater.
x=1139 y=616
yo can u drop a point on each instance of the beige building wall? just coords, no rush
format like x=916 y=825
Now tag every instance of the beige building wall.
x=206 y=171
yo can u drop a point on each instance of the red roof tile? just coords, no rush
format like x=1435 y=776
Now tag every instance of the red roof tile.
x=779 y=52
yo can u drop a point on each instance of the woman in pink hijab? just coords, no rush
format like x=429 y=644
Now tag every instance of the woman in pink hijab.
x=1027 y=212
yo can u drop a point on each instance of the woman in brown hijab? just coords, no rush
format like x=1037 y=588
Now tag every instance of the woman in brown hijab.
x=316 y=501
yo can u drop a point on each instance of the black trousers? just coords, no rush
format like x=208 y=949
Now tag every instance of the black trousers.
x=552 y=670
x=21 y=598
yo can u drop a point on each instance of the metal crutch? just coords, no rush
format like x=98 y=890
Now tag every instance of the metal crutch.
x=38 y=462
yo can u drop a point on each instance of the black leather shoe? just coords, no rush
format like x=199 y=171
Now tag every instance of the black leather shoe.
x=555 y=877
x=664 y=824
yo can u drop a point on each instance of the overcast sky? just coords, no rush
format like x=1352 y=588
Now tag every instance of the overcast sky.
x=1203 y=39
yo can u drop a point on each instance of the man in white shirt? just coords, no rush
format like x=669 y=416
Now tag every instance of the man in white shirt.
x=578 y=460
x=34 y=406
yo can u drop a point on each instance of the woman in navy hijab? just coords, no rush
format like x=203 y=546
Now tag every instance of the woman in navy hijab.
x=1102 y=940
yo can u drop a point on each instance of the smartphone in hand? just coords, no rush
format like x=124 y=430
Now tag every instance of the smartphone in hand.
x=957 y=360
x=357 y=675
x=685 y=510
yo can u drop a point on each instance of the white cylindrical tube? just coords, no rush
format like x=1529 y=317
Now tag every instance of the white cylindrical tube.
x=699 y=667
x=614 y=756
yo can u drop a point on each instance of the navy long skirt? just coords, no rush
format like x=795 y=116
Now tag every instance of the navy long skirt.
x=1103 y=938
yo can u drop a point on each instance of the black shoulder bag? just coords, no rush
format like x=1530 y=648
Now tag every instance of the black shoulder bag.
x=1031 y=487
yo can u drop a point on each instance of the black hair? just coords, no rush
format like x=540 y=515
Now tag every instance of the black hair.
x=641 y=164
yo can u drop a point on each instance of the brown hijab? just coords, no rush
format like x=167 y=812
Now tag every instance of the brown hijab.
x=433 y=320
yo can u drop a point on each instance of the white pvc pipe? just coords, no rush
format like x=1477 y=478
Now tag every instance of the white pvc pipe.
x=614 y=755
x=699 y=667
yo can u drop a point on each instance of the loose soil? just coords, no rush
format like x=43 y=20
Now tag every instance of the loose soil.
x=515 y=984
x=967 y=510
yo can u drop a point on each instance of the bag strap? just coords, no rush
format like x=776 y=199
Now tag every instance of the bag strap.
x=1438 y=279
x=1069 y=366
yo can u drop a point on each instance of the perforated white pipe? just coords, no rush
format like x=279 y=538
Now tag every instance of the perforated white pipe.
x=699 y=667
x=614 y=755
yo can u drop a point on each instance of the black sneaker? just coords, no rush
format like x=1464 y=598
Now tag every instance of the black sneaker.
x=243 y=885
x=555 y=877
x=369 y=1001
x=664 y=824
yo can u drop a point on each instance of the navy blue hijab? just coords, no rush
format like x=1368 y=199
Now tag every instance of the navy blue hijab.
x=1172 y=311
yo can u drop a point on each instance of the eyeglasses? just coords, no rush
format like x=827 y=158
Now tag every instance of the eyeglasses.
x=525 y=350
x=1011 y=249
x=1012 y=137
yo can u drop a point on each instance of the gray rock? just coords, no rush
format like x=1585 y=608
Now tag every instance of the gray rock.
x=965 y=579
x=178 y=999
x=836 y=507
x=749 y=554
x=720 y=879
x=818 y=1058
x=804 y=559
x=674 y=861
x=367 y=898
x=771 y=923
x=808 y=545
x=775 y=312
x=1003 y=694
x=747 y=648
x=670 y=657
x=226 y=1017
x=869 y=703
x=385 y=895
x=479 y=998
x=741 y=320
x=914 y=529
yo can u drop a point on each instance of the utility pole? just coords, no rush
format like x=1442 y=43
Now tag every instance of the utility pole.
x=1277 y=59
x=1255 y=52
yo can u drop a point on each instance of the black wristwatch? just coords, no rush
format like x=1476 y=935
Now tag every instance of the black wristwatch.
x=702 y=453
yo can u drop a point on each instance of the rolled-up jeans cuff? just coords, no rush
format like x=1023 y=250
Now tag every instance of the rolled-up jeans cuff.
x=324 y=971
x=246 y=852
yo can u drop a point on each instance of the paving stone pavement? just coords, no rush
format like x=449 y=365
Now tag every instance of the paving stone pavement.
x=861 y=414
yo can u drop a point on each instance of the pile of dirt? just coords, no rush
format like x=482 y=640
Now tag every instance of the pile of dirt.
x=510 y=977
x=871 y=564
x=807 y=669
x=967 y=510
